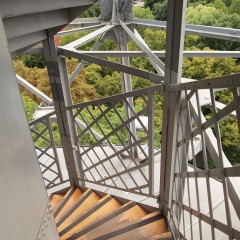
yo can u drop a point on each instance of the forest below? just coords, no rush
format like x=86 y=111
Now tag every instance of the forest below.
x=96 y=81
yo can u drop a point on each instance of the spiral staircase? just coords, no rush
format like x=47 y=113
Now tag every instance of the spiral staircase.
x=102 y=190
x=86 y=214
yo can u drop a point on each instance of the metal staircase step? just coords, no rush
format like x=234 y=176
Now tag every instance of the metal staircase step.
x=128 y=213
x=163 y=236
x=87 y=215
x=55 y=199
x=67 y=202
x=89 y=230
x=104 y=206
x=143 y=228
x=86 y=201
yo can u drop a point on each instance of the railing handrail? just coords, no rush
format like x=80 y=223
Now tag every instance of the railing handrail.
x=41 y=118
x=118 y=97
x=227 y=81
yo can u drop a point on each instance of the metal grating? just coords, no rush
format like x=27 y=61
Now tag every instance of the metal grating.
x=205 y=185
x=44 y=142
x=103 y=123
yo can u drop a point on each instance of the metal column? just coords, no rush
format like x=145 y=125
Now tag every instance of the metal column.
x=173 y=70
x=57 y=72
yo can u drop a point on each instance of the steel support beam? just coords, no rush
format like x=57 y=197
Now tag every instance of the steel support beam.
x=23 y=25
x=89 y=37
x=84 y=22
x=204 y=31
x=82 y=64
x=190 y=54
x=143 y=47
x=15 y=8
x=115 y=66
x=26 y=30
x=62 y=98
x=159 y=70
x=171 y=105
x=77 y=30
x=34 y=90
x=15 y=44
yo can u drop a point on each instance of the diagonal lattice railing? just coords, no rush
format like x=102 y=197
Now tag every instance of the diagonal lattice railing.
x=205 y=188
x=44 y=142
x=109 y=153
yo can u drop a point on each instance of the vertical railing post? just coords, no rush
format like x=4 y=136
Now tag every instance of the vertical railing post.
x=57 y=72
x=172 y=97
x=151 y=141
x=54 y=147
x=71 y=120
x=126 y=82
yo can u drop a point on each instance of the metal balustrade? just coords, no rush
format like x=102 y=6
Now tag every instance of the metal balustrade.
x=119 y=159
x=205 y=188
x=46 y=149
x=204 y=185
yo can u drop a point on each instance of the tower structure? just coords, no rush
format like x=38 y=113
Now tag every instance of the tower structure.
x=198 y=203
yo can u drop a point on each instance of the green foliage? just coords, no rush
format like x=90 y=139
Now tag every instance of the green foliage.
x=109 y=85
x=80 y=89
x=155 y=39
x=160 y=10
x=219 y=4
x=108 y=45
x=39 y=79
x=149 y=3
x=41 y=141
x=93 y=11
x=143 y=13
x=200 y=68
x=31 y=61
x=216 y=14
x=158 y=7
x=36 y=76
x=230 y=139
x=138 y=83
x=93 y=73
x=235 y=7
x=205 y=15
x=30 y=106
x=227 y=2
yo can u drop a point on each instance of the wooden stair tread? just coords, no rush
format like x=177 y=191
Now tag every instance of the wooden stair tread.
x=55 y=199
x=144 y=232
x=105 y=206
x=71 y=201
x=86 y=201
x=86 y=215
x=131 y=214
x=163 y=236
x=147 y=226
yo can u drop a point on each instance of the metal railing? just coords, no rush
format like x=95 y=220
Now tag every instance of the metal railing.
x=205 y=188
x=204 y=185
x=46 y=149
x=110 y=154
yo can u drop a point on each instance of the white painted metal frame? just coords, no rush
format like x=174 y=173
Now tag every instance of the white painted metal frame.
x=107 y=167
x=227 y=174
